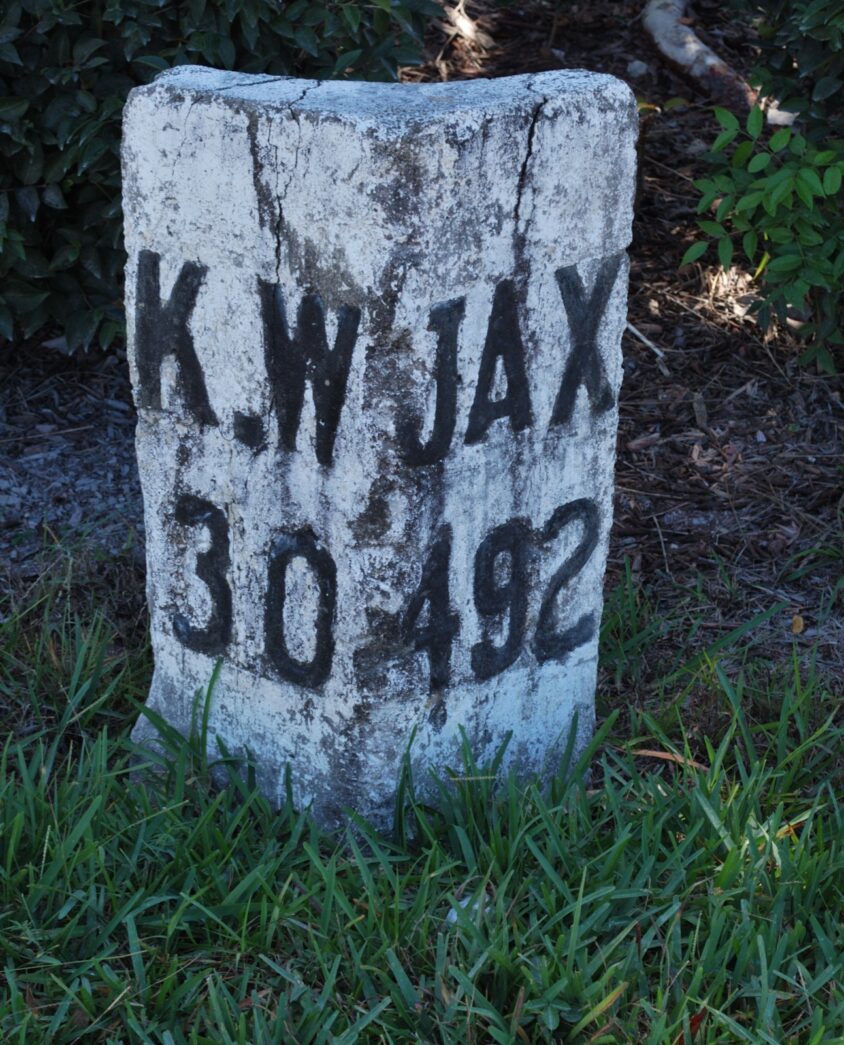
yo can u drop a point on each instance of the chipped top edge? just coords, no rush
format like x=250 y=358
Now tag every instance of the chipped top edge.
x=403 y=103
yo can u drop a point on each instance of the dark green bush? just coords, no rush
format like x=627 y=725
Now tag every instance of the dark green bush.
x=65 y=71
x=802 y=61
x=778 y=191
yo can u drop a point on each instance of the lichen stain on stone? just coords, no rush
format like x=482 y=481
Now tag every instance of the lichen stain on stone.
x=316 y=271
x=374 y=521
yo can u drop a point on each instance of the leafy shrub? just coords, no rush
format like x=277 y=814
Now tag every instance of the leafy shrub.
x=782 y=197
x=65 y=71
x=803 y=60
x=779 y=191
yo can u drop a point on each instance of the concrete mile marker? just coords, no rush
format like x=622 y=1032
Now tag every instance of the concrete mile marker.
x=374 y=333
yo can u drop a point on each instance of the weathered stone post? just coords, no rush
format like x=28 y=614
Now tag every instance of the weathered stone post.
x=375 y=336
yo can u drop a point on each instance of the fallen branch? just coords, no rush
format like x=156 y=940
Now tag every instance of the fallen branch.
x=681 y=46
x=663 y=368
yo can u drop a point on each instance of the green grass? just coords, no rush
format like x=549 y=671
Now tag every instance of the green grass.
x=693 y=891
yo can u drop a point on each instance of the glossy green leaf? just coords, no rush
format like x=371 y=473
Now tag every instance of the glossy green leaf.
x=742 y=154
x=724 y=139
x=24 y=299
x=727 y=120
x=826 y=87
x=64 y=257
x=52 y=197
x=153 y=61
x=84 y=48
x=7 y=325
x=811 y=180
x=695 y=251
x=832 y=181
x=805 y=194
x=29 y=202
x=80 y=328
x=12 y=108
x=748 y=202
x=712 y=228
x=785 y=263
x=755 y=122
x=10 y=54
x=759 y=162
x=724 y=208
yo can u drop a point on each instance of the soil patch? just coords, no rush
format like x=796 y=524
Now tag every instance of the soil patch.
x=68 y=473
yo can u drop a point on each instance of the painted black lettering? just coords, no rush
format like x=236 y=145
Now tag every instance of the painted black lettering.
x=494 y=597
x=504 y=341
x=300 y=545
x=212 y=567
x=290 y=361
x=249 y=430
x=444 y=321
x=163 y=330
x=436 y=636
x=550 y=643
x=584 y=366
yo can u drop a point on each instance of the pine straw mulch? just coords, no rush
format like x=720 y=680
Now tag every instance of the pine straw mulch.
x=729 y=473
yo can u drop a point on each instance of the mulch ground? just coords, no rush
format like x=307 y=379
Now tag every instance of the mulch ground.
x=67 y=455
x=729 y=473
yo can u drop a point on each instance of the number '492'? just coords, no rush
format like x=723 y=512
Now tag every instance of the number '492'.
x=500 y=589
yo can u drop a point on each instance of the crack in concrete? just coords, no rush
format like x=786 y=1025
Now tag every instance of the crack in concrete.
x=251 y=82
x=183 y=140
x=281 y=194
x=278 y=218
x=523 y=171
